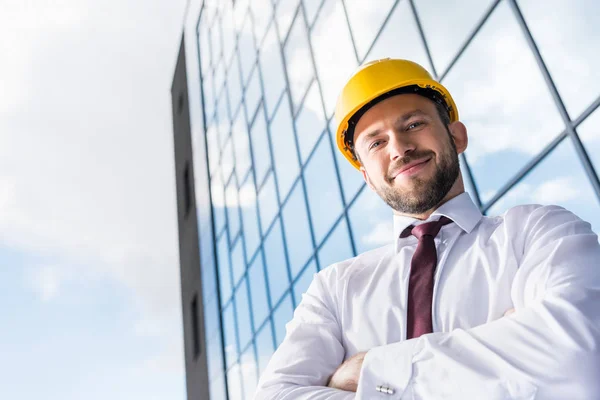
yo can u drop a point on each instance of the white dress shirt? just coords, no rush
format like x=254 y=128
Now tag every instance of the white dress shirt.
x=540 y=260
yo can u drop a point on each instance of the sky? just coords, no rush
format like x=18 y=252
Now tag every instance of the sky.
x=89 y=269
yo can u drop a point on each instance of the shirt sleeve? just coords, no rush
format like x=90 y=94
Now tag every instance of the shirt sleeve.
x=309 y=354
x=548 y=349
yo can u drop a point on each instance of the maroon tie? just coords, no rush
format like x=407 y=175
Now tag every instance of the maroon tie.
x=422 y=270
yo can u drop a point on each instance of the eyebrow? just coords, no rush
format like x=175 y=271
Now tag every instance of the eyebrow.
x=402 y=119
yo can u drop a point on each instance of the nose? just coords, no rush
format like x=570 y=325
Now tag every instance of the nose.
x=399 y=145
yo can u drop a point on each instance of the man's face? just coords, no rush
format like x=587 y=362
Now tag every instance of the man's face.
x=408 y=155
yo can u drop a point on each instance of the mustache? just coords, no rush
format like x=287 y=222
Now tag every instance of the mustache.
x=401 y=162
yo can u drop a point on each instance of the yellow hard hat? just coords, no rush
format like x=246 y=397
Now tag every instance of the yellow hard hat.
x=372 y=82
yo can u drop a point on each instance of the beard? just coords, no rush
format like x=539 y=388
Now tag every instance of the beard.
x=425 y=193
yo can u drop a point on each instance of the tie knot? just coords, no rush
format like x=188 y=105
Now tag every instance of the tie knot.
x=427 y=229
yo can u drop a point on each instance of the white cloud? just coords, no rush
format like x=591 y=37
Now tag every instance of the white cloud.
x=556 y=191
x=379 y=235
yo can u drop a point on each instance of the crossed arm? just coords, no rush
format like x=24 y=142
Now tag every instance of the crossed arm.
x=548 y=349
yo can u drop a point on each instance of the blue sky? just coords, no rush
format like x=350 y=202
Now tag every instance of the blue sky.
x=89 y=274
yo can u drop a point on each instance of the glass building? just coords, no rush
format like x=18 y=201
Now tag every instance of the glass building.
x=272 y=200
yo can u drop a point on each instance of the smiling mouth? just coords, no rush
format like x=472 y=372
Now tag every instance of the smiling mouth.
x=414 y=168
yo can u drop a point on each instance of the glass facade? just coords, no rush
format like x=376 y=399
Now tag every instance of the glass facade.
x=284 y=201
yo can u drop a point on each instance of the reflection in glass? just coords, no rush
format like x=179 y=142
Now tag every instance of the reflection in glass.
x=267 y=199
x=281 y=316
x=401 y=24
x=447 y=26
x=262 y=11
x=334 y=54
x=258 y=293
x=241 y=144
x=310 y=122
x=276 y=265
x=211 y=318
x=249 y=216
x=311 y=7
x=214 y=355
x=249 y=372
x=366 y=20
x=371 y=221
x=242 y=306
x=589 y=132
x=565 y=33
x=214 y=153
x=337 y=247
x=550 y=183
x=298 y=60
x=218 y=200
x=284 y=149
x=297 y=230
x=238 y=265
x=231 y=350
x=505 y=130
x=233 y=216
x=227 y=160
x=227 y=31
x=323 y=191
x=223 y=118
x=234 y=383
x=224 y=275
x=264 y=347
x=253 y=93
x=247 y=50
x=285 y=11
x=304 y=281
x=217 y=389
x=234 y=87
x=272 y=69
x=260 y=147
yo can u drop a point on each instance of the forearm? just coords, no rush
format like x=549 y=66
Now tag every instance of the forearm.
x=289 y=391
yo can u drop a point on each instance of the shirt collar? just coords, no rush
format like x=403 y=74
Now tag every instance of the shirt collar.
x=460 y=209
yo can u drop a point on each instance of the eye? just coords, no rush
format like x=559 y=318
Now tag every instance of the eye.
x=375 y=144
x=414 y=125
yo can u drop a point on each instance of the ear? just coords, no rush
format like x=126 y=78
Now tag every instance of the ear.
x=366 y=178
x=458 y=131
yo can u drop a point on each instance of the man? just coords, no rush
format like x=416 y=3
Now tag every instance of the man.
x=430 y=315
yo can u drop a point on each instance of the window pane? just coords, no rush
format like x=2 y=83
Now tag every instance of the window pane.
x=447 y=26
x=311 y=7
x=243 y=314
x=223 y=116
x=298 y=60
x=310 y=122
x=209 y=283
x=233 y=215
x=366 y=20
x=505 y=130
x=249 y=216
x=247 y=52
x=284 y=149
x=297 y=230
x=323 y=190
x=551 y=183
x=281 y=317
x=231 y=351
x=375 y=230
x=272 y=69
x=268 y=203
x=228 y=31
x=264 y=347
x=260 y=147
x=253 y=93
x=249 y=373
x=234 y=383
x=589 y=132
x=219 y=82
x=209 y=99
x=304 y=281
x=234 y=86
x=285 y=10
x=337 y=248
x=276 y=265
x=242 y=147
x=218 y=201
x=258 y=293
x=565 y=33
x=217 y=389
x=214 y=355
x=238 y=265
x=204 y=39
x=401 y=24
x=214 y=152
x=227 y=160
x=334 y=54
x=211 y=318
x=352 y=179
x=224 y=275
x=262 y=11
x=465 y=175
